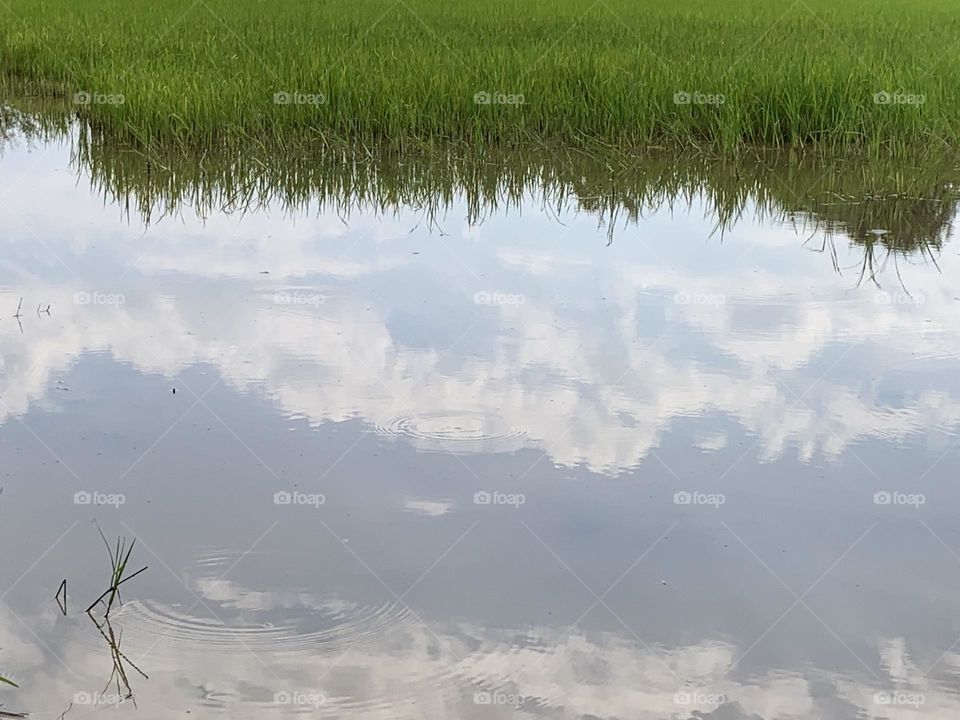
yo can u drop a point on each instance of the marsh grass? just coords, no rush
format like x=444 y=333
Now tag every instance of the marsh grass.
x=119 y=560
x=633 y=73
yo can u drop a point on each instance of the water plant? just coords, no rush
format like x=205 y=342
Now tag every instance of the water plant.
x=119 y=559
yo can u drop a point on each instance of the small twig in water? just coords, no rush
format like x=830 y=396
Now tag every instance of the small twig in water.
x=62 y=597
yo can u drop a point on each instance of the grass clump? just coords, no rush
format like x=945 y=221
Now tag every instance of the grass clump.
x=719 y=73
x=119 y=559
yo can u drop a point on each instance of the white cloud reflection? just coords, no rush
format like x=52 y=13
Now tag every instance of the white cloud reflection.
x=593 y=372
x=406 y=670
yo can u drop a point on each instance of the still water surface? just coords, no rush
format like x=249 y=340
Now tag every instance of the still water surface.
x=385 y=465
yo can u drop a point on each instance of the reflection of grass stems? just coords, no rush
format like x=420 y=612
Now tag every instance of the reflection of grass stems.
x=911 y=196
x=119 y=673
x=119 y=559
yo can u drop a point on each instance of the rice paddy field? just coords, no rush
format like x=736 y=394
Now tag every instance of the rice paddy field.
x=479 y=359
x=706 y=73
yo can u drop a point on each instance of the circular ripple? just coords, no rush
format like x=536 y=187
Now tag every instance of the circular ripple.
x=403 y=661
x=144 y=622
x=455 y=432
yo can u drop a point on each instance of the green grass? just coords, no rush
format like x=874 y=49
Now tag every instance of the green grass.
x=119 y=557
x=408 y=70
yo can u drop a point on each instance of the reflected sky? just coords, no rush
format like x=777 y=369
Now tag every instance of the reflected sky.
x=417 y=469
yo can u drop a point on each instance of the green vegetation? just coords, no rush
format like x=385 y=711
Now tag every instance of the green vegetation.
x=119 y=557
x=625 y=72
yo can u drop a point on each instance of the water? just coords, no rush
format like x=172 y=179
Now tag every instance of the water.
x=480 y=455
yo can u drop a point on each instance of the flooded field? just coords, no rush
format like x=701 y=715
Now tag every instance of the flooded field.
x=660 y=441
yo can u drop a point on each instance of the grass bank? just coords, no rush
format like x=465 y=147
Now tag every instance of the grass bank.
x=708 y=73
